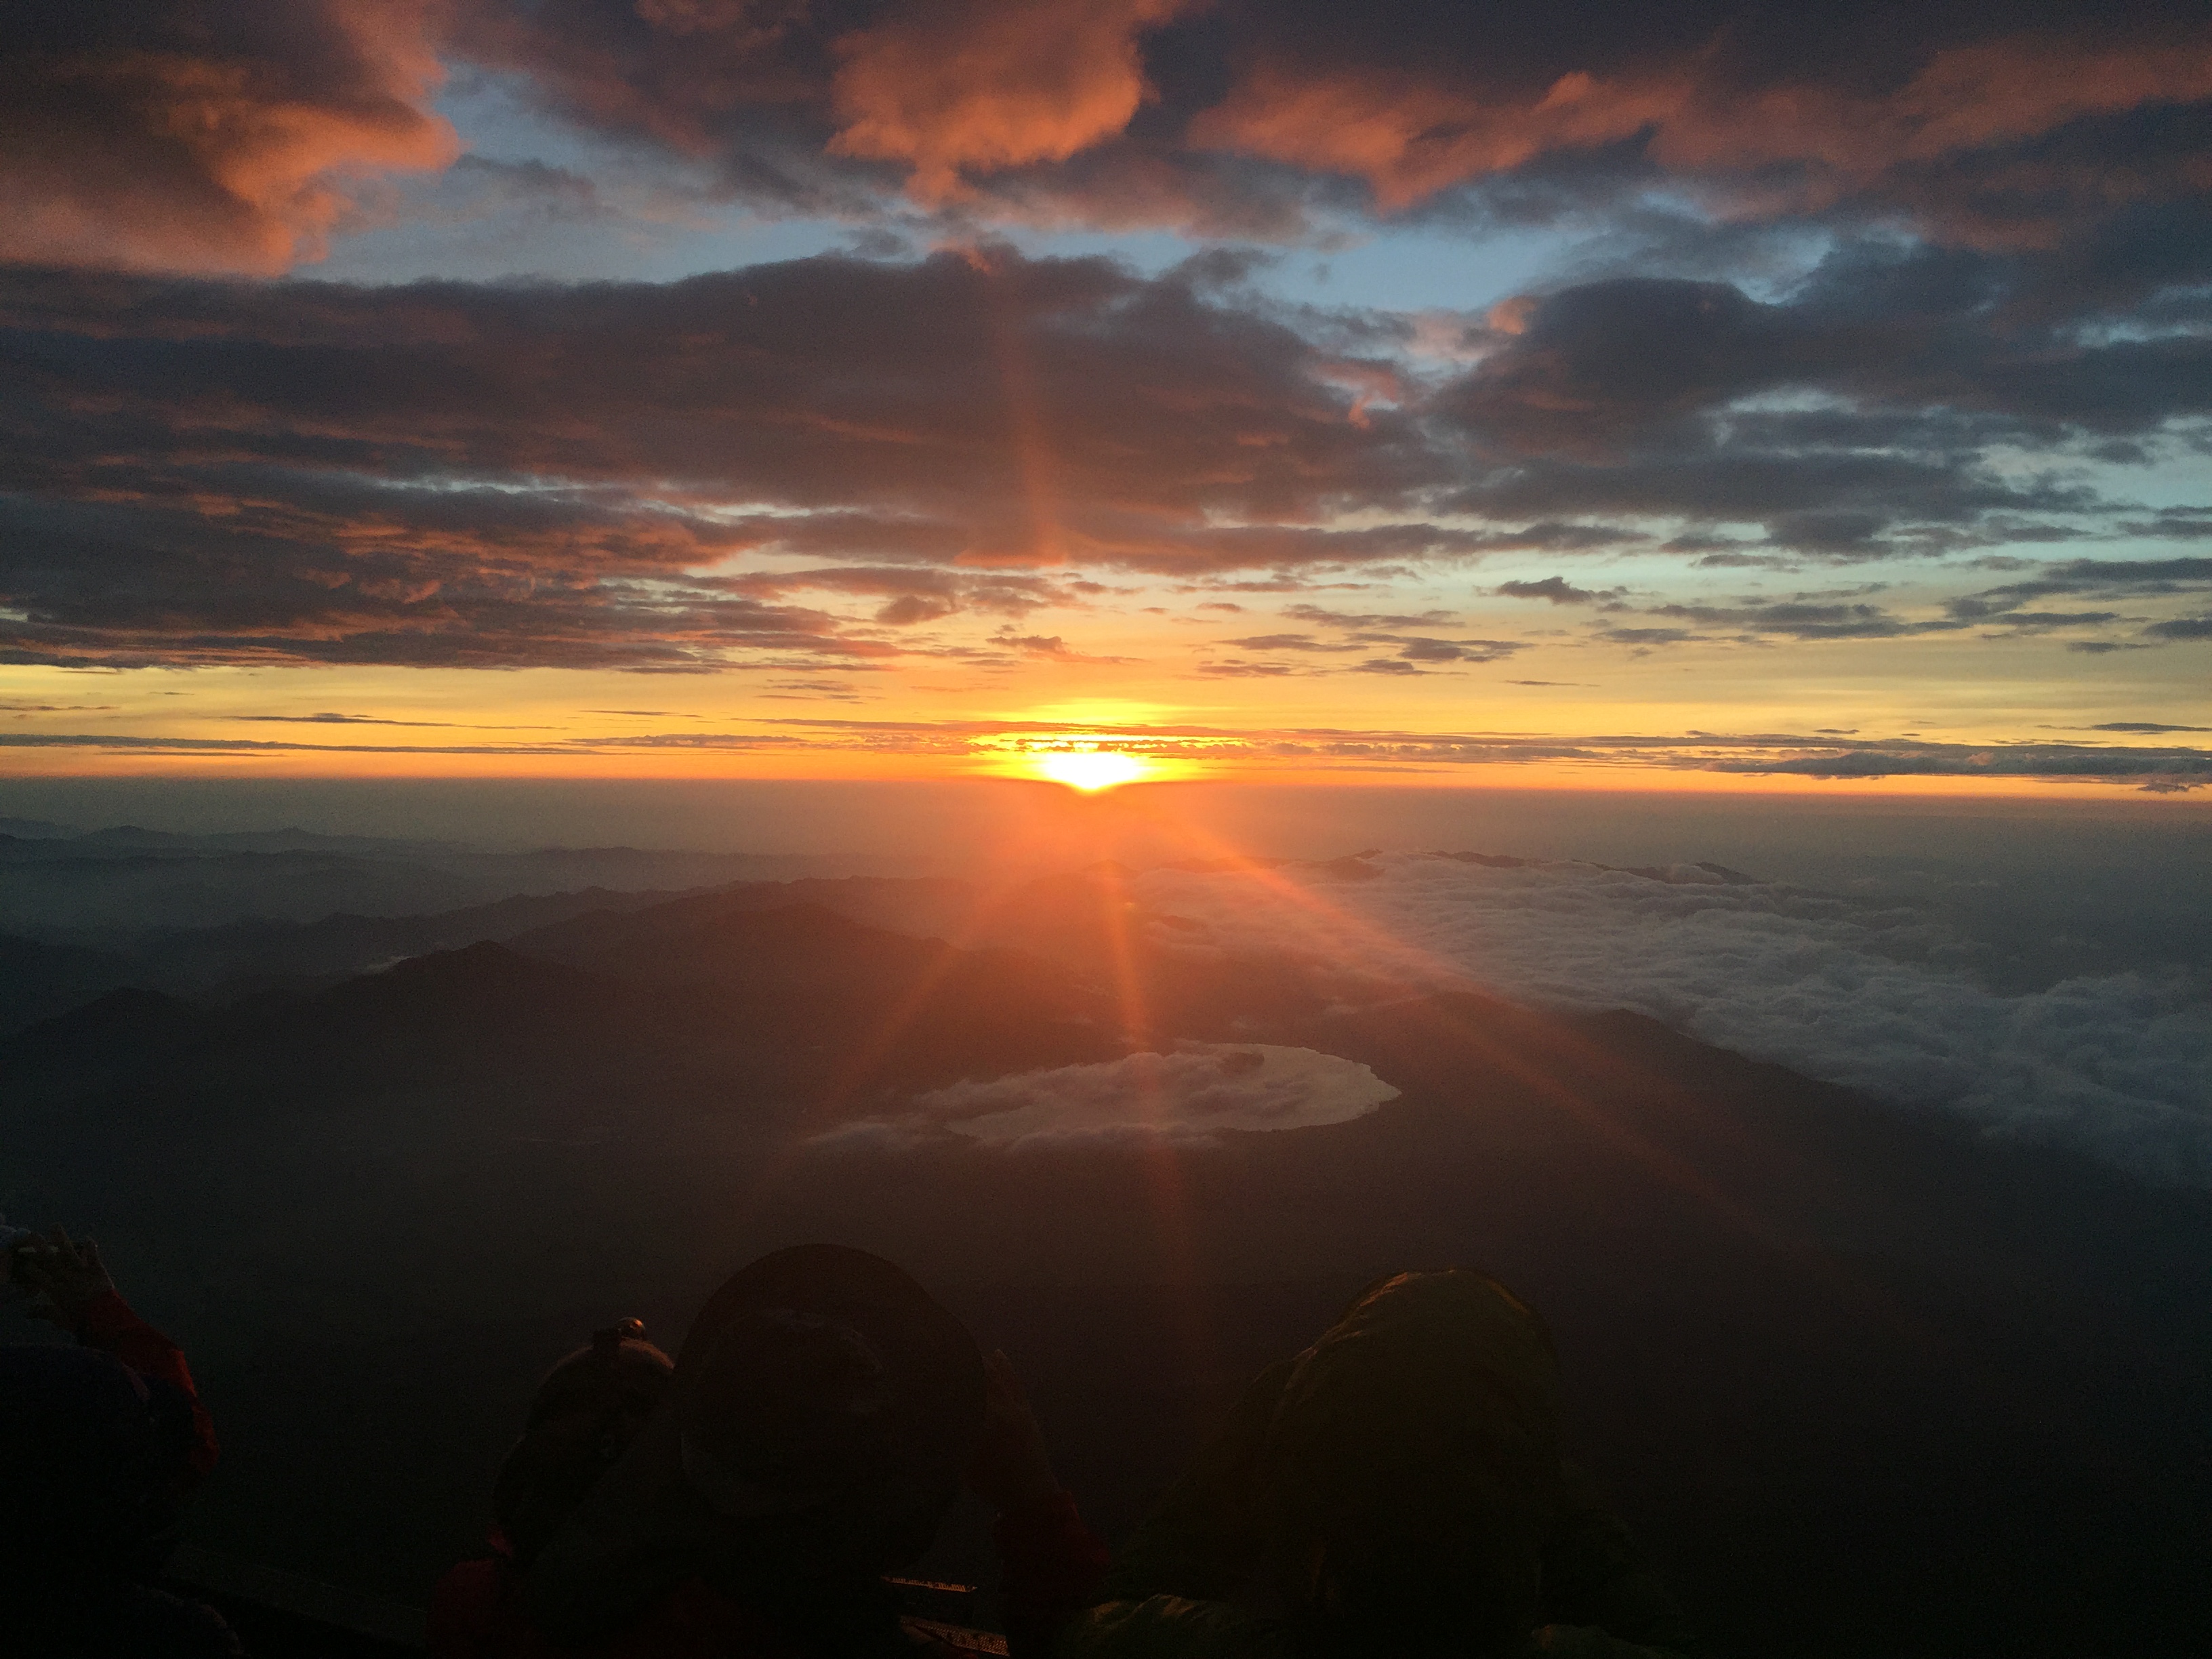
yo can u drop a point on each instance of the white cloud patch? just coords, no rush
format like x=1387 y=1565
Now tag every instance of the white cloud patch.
x=2120 y=1066
x=1190 y=1096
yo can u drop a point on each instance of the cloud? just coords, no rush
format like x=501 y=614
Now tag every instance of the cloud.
x=1642 y=395
x=989 y=84
x=2132 y=581
x=2119 y=1066
x=1950 y=131
x=331 y=717
x=919 y=595
x=477 y=475
x=1323 y=616
x=2180 y=524
x=836 y=462
x=1290 y=642
x=1799 y=621
x=140 y=743
x=208 y=135
x=1824 y=754
x=1236 y=668
x=1419 y=647
x=1556 y=589
x=1190 y=1097
x=2059 y=133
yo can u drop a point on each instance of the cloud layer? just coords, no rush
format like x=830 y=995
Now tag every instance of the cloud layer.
x=2120 y=1066
x=2152 y=768
x=719 y=472
x=1984 y=128
x=488 y=476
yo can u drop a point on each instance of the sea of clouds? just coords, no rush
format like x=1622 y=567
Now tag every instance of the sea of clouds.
x=1189 y=1095
x=1880 y=998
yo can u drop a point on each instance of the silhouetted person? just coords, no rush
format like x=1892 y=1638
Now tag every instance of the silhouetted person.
x=821 y=1418
x=1396 y=1490
x=100 y=1444
x=582 y=1420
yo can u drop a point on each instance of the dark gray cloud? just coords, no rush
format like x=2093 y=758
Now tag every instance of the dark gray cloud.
x=1290 y=642
x=333 y=718
x=820 y=462
x=1236 y=668
x=2132 y=581
x=1557 y=589
x=1425 y=648
x=2181 y=627
x=479 y=475
x=1641 y=395
x=2009 y=611
x=1321 y=616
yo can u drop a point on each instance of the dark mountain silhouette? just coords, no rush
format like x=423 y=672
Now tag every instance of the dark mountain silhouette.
x=39 y=980
x=793 y=1011
x=263 y=950
x=122 y=1030
x=925 y=908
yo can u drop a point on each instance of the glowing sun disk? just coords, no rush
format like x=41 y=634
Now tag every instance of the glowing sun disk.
x=1090 y=770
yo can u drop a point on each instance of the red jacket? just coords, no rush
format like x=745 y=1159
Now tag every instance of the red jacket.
x=108 y=1322
x=1052 y=1564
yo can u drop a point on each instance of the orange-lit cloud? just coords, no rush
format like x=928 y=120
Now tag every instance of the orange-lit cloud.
x=1410 y=133
x=198 y=136
x=988 y=84
x=1245 y=120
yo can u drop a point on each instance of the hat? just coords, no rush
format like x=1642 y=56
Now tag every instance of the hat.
x=617 y=1366
x=823 y=1375
x=824 y=1410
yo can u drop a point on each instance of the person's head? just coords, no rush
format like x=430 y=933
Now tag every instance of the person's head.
x=90 y=1457
x=822 y=1394
x=583 y=1417
x=1411 y=1468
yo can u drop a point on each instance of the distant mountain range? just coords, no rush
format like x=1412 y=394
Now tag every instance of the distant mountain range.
x=125 y=880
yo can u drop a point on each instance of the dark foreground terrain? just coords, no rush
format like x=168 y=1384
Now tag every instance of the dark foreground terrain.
x=1865 y=1384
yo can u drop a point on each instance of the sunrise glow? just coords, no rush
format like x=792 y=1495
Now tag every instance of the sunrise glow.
x=1092 y=769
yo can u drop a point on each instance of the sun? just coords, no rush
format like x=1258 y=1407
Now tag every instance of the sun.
x=1090 y=770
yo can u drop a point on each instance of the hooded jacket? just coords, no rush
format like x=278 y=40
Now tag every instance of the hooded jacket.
x=1419 y=1437
x=821 y=1416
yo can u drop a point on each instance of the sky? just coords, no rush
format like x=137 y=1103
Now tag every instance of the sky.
x=1667 y=396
